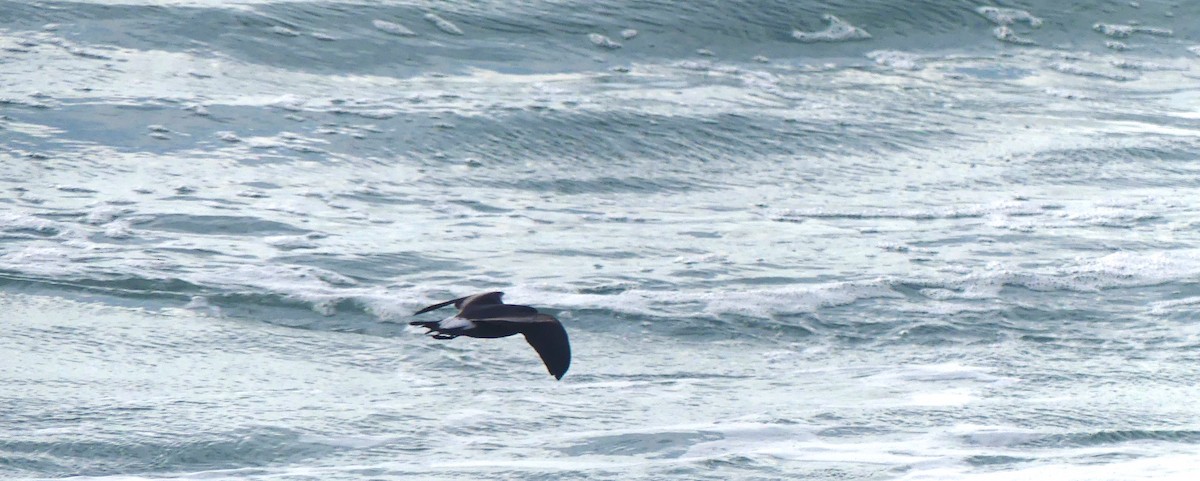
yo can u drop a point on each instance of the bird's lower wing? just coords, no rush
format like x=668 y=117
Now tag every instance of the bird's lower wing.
x=550 y=341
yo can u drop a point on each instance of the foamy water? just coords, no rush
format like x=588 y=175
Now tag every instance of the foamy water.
x=789 y=240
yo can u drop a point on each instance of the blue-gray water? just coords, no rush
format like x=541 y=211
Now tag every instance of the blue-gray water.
x=937 y=239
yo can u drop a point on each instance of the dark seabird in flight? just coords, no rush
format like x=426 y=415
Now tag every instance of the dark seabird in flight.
x=486 y=316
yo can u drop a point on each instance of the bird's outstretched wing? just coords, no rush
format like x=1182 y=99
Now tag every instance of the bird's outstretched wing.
x=499 y=312
x=549 y=339
x=477 y=299
x=485 y=299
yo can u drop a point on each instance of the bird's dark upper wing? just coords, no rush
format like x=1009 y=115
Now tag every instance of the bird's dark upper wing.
x=484 y=299
x=439 y=305
x=481 y=299
x=549 y=339
x=499 y=312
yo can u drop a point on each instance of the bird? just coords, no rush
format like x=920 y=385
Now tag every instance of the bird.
x=486 y=316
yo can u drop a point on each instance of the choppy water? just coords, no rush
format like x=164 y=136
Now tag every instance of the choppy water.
x=820 y=240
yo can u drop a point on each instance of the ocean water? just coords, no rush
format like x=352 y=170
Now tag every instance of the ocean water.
x=864 y=240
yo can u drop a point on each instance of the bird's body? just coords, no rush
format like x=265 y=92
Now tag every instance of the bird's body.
x=486 y=316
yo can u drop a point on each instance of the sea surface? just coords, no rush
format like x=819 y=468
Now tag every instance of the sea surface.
x=852 y=240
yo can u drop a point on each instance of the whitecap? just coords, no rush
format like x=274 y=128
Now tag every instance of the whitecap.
x=287 y=32
x=1187 y=304
x=41 y=259
x=11 y=222
x=393 y=28
x=292 y=242
x=104 y=215
x=603 y=41
x=201 y=305
x=1123 y=31
x=120 y=229
x=197 y=109
x=1127 y=268
x=894 y=59
x=761 y=302
x=1072 y=69
x=1008 y=16
x=443 y=24
x=1005 y=34
x=838 y=31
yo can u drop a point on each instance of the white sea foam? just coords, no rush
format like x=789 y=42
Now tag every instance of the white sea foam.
x=1171 y=466
x=1122 y=31
x=14 y=222
x=947 y=212
x=703 y=259
x=994 y=436
x=943 y=398
x=393 y=28
x=646 y=237
x=1107 y=217
x=284 y=31
x=119 y=229
x=1163 y=307
x=837 y=31
x=1006 y=34
x=1082 y=71
x=758 y=302
x=291 y=242
x=950 y=371
x=443 y=24
x=319 y=287
x=1088 y=274
x=1008 y=16
x=200 y=305
x=1138 y=268
x=895 y=59
x=348 y=441
x=42 y=259
x=602 y=41
x=794 y=299
x=105 y=214
x=763 y=302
